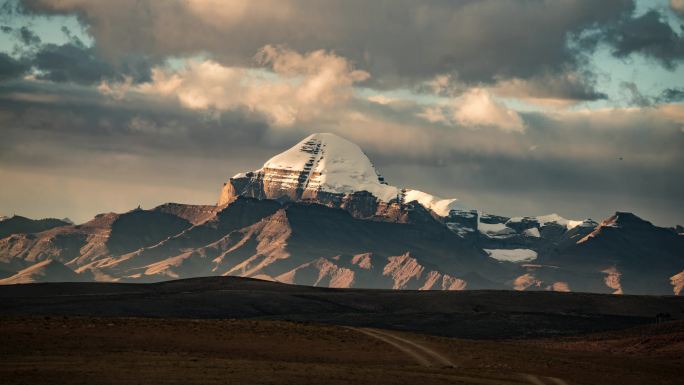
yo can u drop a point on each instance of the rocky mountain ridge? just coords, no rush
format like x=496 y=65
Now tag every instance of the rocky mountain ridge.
x=320 y=214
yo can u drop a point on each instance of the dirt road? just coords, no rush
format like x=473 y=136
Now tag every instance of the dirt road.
x=428 y=357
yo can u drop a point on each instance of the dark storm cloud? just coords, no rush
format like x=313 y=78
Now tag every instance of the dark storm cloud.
x=10 y=8
x=649 y=35
x=11 y=68
x=670 y=95
x=28 y=37
x=92 y=154
x=80 y=117
x=77 y=63
x=397 y=41
x=635 y=97
x=73 y=61
x=70 y=63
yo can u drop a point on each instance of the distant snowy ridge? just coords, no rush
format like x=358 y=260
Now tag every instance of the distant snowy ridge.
x=550 y=218
x=497 y=227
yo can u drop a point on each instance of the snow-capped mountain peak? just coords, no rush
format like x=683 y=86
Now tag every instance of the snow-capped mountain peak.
x=333 y=164
x=327 y=163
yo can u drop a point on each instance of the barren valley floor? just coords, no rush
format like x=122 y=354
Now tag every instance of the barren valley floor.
x=86 y=350
x=228 y=330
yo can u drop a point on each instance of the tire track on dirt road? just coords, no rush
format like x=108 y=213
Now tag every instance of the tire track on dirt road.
x=428 y=357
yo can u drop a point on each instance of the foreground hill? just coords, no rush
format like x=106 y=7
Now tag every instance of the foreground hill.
x=470 y=314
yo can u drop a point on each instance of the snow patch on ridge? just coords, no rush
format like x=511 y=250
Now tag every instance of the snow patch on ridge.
x=495 y=230
x=532 y=232
x=436 y=204
x=512 y=255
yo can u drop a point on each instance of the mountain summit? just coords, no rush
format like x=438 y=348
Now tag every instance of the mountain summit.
x=331 y=170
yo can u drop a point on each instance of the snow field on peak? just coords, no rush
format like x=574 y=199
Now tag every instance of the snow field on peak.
x=333 y=164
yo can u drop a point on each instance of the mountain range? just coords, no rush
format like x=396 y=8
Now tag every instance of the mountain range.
x=320 y=214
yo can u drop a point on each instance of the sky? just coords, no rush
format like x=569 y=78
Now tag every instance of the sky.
x=523 y=107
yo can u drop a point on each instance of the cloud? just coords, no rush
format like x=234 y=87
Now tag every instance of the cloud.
x=73 y=61
x=292 y=88
x=28 y=37
x=476 y=108
x=11 y=68
x=561 y=89
x=77 y=63
x=670 y=95
x=649 y=35
x=400 y=42
x=635 y=97
x=70 y=63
